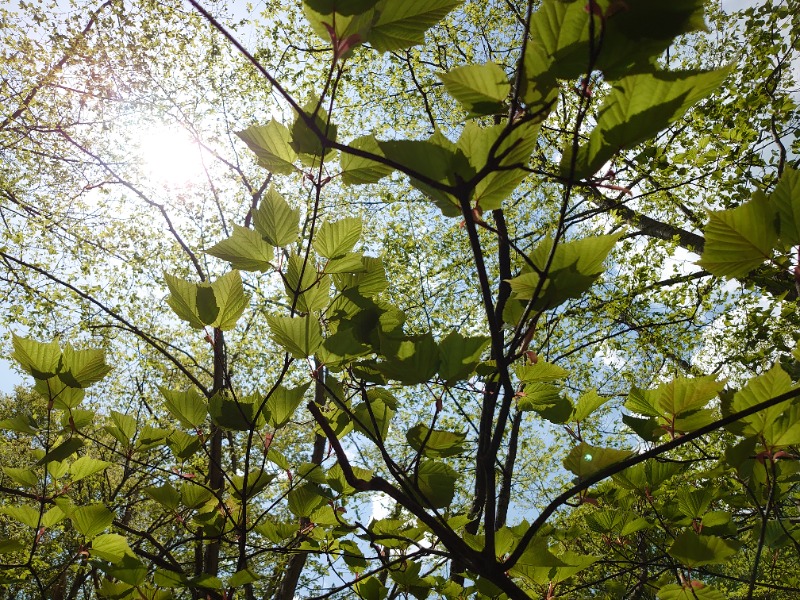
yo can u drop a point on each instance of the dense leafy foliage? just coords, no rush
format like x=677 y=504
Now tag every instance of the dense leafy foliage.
x=469 y=335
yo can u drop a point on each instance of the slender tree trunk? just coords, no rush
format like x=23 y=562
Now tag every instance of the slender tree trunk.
x=297 y=562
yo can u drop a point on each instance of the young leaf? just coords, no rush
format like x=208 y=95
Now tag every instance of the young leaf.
x=760 y=389
x=695 y=550
x=586 y=405
x=92 y=520
x=436 y=482
x=86 y=466
x=188 y=406
x=230 y=299
x=39 y=359
x=304 y=139
x=275 y=220
x=183 y=300
x=584 y=460
x=110 y=547
x=459 y=356
x=357 y=170
x=638 y=107
x=305 y=499
x=337 y=238
x=480 y=89
x=437 y=443
x=299 y=336
x=786 y=198
x=245 y=250
x=282 y=404
x=270 y=143
x=740 y=239
x=403 y=23
x=82 y=368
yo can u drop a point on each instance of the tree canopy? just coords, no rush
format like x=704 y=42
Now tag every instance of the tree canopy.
x=400 y=298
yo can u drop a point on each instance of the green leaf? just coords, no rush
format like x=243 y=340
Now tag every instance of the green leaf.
x=256 y=481
x=275 y=220
x=369 y=281
x=436 y=482
x=638 y=107
x=695 y=590
x=27 y=515
x=303 y=283
x=338 y=27
x=183 y=445
x=403 y=23
x=299 y=336
x=92 y=520
x=82 y=368
x=270 y=143
x=20 y=424
x=188 y=406
x=87 y=466
x=231 y=300
x=760 y=389
x=437 y=159
x=36 y=358
x=632 y=34
x=437 y=443
x=341 y=7
x=575 y=267
x=357 y=170
x=695 y=550
x=63 y=396
x=409 y=359
x=459 y=356
x=62 y=451
x=166 y=495
x=304 y=140
x=586 y=405
x=480 y=89
x=305 y=499
x=110 y=547
x=786 y=198
x=684 y=394
x=335 y=239
x=24 y=477
x=240 y=414
x=513 y=150
x=584 y=459
x=282 y=404
x=372 y=418
x=243 y=577
x=245 y=250
x=740 y=239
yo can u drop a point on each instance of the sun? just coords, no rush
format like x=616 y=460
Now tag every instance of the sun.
x=170 y=157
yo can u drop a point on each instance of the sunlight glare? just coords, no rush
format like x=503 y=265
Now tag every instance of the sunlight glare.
x=170 y=157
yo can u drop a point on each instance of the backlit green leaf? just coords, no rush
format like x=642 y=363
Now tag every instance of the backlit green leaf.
x=740 y=239
x=299 y=336
x=245 y=250
x=695 y=550
x=584 y=459
x=270 y=143
x=403 y=23
x=337 y=238
x=786 y=198
x=437 y=443
x=481 y=89
x=638 y=107
x=275 y=220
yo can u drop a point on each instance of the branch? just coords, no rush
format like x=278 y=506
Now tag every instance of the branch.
x=635 y=460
